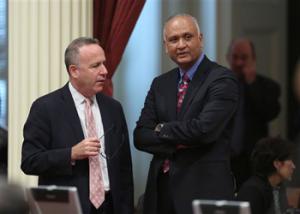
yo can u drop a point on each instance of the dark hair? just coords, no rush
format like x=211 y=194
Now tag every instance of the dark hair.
x=266 y=151
x=72 y=51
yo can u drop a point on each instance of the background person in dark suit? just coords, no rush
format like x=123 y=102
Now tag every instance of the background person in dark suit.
x=189 y=137
x=259 y=104
x=56 y=146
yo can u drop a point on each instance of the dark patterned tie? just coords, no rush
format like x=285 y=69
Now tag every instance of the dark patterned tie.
x=182 y=88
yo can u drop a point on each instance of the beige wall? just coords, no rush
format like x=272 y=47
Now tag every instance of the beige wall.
x=39 y=31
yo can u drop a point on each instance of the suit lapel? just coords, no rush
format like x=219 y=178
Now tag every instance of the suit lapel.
x=195 y=85
x=171 y=94
x=108 y=126
x=71 y=112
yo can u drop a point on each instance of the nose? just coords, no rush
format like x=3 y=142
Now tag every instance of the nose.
x=103 y=70
x=240 y=62
x=181 y=43
x=293 y=165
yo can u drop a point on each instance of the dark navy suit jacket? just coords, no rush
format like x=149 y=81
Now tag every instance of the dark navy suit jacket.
x=203 y=125
x=53 y=127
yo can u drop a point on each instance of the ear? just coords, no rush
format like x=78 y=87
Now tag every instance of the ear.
x=277 y=164
x=201 y=37
x=166 y=47
x=73 y=70
x=201 y=40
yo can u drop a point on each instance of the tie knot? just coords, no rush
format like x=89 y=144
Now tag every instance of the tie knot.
x=185 y=77
x=89 y=101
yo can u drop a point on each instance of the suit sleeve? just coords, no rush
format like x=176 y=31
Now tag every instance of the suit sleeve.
x=145 y=138
x=38 y=156
x=219 y=106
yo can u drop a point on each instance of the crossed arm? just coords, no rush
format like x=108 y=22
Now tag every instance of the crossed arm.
x=218 y=107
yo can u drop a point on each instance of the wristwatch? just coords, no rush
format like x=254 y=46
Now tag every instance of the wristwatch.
x=158 y=127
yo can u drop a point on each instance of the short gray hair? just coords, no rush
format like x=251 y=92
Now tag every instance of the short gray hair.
x=72 y=51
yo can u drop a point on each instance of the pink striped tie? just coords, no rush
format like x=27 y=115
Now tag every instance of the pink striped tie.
x=97 y=193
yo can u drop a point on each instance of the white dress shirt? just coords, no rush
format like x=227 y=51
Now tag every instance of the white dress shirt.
x=79 y=103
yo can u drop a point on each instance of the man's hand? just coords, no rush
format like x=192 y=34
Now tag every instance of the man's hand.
x=249 y=72
x=84 y=149
x=158 y=127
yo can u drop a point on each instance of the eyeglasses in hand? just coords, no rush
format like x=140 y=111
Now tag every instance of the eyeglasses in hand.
x=104 y=154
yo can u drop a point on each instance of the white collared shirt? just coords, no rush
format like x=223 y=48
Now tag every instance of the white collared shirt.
x=79 y=104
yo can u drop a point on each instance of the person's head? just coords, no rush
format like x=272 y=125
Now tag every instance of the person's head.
x=183 y=40
x=273 y=156
x=12 y=199
x=240 y=53
x=84 y=60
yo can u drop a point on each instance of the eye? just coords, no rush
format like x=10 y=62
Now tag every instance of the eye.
x=173 y=40
x=188 y=37
x=96 y=65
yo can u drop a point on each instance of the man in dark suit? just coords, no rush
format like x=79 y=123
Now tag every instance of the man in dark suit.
x=186 y=124
x=259 y=105
x=57 y=143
